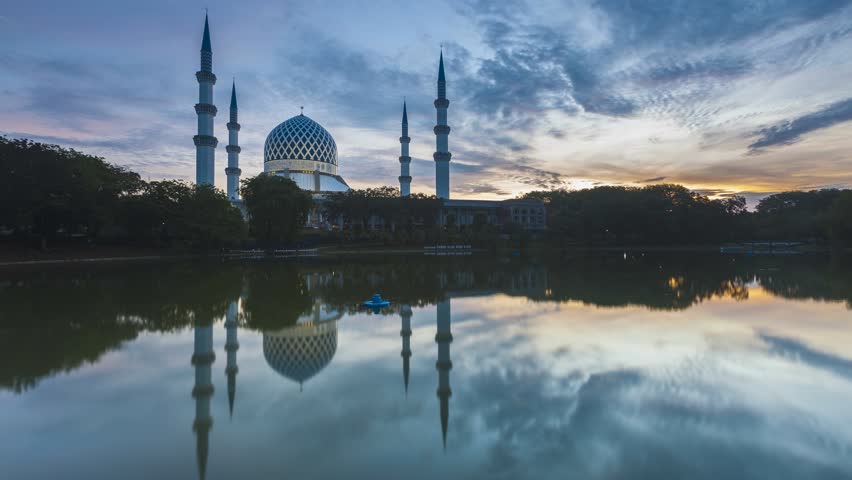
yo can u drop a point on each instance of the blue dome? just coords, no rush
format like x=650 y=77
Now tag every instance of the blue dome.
x=300 y=138
x=300 y=352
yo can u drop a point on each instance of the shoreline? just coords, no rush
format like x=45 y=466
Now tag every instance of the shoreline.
x=70 y=258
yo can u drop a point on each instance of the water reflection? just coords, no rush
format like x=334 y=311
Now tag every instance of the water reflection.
x=444 y=338
x=405 y=333
x=202 y=359
x=97 y=309
x=300 y=313
x=301 y=351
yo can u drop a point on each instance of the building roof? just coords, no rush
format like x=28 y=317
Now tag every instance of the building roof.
x=300 y=138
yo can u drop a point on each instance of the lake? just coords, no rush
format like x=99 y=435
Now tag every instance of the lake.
x=628 y=366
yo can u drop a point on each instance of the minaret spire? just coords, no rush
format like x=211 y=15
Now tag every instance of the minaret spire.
x=405 y=333
x=231 y=347
x=404 y=158
x=202 y=359
x=205 y=142
x=205 y=42
x=443 y=338
x=233 y=171
x=442 y=132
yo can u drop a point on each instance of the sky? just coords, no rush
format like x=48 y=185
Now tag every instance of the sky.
x=726 y=97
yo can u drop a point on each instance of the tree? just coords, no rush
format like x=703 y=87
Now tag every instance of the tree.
x=277 y=208
x=841 y=219
x=47 y=190
x=659 y=214
x=208 y=220
x=173 y=213
x=797 y=215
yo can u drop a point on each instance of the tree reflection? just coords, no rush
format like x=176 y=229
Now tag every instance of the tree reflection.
x=59 y=319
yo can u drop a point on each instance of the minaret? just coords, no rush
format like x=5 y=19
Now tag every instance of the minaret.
x=444 y=337
x=202 y=359
x=405 y=333
x=404 y=158
x=233 y=171
x=205 y=142
x=231 y=347
x=442 y=132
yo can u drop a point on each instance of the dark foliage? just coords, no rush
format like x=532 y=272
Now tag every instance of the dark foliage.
x=671 y=214
x=277 y=208
x=656 y=214
x=48 y=192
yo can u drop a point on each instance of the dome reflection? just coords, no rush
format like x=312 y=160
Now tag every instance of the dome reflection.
x=301 y=351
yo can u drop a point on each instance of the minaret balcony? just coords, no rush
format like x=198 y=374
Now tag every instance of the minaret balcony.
x=442 y=156
x=404 y=159
x=405 y=179
x=405 y=139
x=443 y=337
x=233 y=126
x=205 y=77
x=203 y=390
x=442 y=103
x=203 y=358
x=205 y=141
x=206 y=108
x=232 y=171
x=442 y=129
x=233 y=149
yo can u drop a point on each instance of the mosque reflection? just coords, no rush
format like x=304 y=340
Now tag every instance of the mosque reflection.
x=297 y=308
x=301 y=351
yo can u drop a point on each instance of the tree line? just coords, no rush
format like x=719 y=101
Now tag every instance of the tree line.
x=49 y=193
x=671 y=214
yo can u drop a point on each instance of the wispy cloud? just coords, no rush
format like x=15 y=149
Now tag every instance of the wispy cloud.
x=791 y=131
x=543 y=94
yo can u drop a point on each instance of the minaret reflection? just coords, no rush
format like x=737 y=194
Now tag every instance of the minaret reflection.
x=202 y=359
x=231 y=347
x=444 y=337
x=405 y=333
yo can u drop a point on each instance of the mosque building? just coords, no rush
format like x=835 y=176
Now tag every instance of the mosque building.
x=302 y=150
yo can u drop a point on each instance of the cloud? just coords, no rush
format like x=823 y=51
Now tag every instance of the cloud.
x=799 y=352
x=545 y=93
x=476 y=188
x=789 y=132
x=652 y=180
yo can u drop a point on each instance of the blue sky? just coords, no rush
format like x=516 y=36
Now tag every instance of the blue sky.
x=730 y=96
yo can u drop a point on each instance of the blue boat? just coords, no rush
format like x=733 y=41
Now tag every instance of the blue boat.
x=376 y=303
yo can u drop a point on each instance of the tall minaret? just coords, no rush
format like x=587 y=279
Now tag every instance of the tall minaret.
x=233 y=171
x=444 y=337
x=202 y=359
x=231 y=347
x=404 y=159
x=205 y=142
x=442 y=132
x=405 y=333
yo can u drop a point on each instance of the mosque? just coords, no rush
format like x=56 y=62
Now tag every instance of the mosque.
x=302 y=150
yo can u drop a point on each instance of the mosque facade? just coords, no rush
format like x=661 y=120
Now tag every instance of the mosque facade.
x=302 y=150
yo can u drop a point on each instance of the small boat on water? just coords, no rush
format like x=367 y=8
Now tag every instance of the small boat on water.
x=376 y=302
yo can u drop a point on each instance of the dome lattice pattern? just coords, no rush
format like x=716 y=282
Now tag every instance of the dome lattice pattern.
x=300 y=138
x=300 y=357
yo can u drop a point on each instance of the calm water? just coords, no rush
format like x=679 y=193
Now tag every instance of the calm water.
x=636 y=367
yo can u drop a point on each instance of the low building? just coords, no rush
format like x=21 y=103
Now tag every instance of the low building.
x=525 y=213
